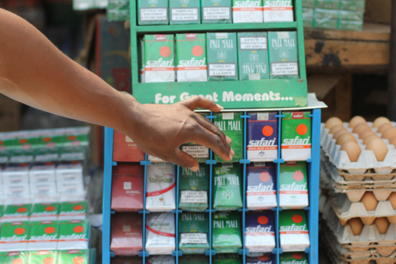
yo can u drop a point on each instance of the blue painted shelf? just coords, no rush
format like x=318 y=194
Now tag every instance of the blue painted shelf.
x=312 y=211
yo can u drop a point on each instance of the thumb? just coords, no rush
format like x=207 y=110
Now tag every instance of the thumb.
x=184 y=160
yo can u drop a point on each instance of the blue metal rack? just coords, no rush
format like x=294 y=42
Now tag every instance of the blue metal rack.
x=312 y=211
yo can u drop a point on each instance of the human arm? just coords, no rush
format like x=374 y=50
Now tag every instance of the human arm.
x=34 y=72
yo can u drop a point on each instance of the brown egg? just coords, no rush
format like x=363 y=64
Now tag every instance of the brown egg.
x=361 y=128
x=380 y=121
x=333 y=121
x=356 y=121
x=384 y=127
x=352 y=149
x=335 y=129
x=382 y=224
x=344 y=138
x=366 y=134
x=367 y=139
x=392 y=200
x=340 y=132
x=378 y=147
x=393 y=142
x=389 y=133
x=369 y=201
x=356 y=226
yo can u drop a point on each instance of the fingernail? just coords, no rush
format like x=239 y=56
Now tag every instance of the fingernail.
x=232 y=152
x=228 y=140
x=230 y=157
x=194 y=169
x=219 y=106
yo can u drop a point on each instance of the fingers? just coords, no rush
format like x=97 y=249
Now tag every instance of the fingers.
x=200 y=102
x=184 y=160
x=208 y=139
x=207 y=124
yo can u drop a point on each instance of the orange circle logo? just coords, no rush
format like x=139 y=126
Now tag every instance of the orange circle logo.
x=297 y=218
x=267 y=131
x=297 y=256
x=263 y=220
x=263 y=257
x=1 y=142
x=17 y=261
x=197 y=51
x=265 y=176
x=19 y=231
x=47 y=139
x=49 y=230
x=71 y=137
x=48 y=260
x=78 y=260
x=298 y=176
x=78 y=229
x=23 y=141
x=302 y=129
x=165 y=51
x=50 y=208
x=21 y=210
x=78 y=207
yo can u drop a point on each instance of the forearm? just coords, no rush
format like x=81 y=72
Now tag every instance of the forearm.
x=35 y=72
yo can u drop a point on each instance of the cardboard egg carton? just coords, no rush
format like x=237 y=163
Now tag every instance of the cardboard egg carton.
x=347 y=254
x=345 y=209
x=368 y=237
x=366 y=161
x=344 y=177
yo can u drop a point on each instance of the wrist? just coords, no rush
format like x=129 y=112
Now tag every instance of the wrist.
x=130 y=109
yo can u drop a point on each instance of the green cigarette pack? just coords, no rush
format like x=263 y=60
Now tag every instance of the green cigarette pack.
x=253 y=56
x=283 y=54
x=357 y=5
x=328 y=4
x=222 y=56
x=227 y=186
x=185 y=11
x=231 y=124
x=216 y=12
x=226 y=237
x=194 y=230
x=194 y=188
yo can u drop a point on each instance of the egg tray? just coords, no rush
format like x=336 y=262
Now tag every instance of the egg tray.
x=327 y=182
x=346 y=210
x=336 y=257
x=366 y=161
x=368 y=237
x=373 y=253
x=343 y=177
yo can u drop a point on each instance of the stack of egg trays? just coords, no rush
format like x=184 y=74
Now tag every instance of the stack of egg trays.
x=312 y=211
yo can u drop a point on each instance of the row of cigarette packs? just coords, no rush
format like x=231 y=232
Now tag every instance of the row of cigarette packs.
x=193 y=230
x=41 y=178
x=346 y=5
x=44 y=235
x=261 y=187
x=163 y=12
x=263 y=142
x=44 y=211
x=230 y=258
x=75 y=256
x=44 y=138
x=219 y=57
x=333 y=19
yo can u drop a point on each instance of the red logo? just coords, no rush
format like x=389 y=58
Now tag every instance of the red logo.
x=265 y=176
x=13 y=253
x=302 y=129
x=43 y=252
x=297 y=256
x=263 y=257
x=267 y=131
x=297 y=218
x=75 y=221
x=17 y=223
x=165 y=51
x=197 y=51
x=191 y=36
x=298 y=115
x=47 y=139
x=19 y=231
x=298 y=176
x=71 y=137
x=263 y=220
x=23 y=141
x=73 y=251
x=46 y=222
x=49 y=230
x=160 y=37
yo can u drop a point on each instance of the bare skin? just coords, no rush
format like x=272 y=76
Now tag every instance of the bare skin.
x=33 y=71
